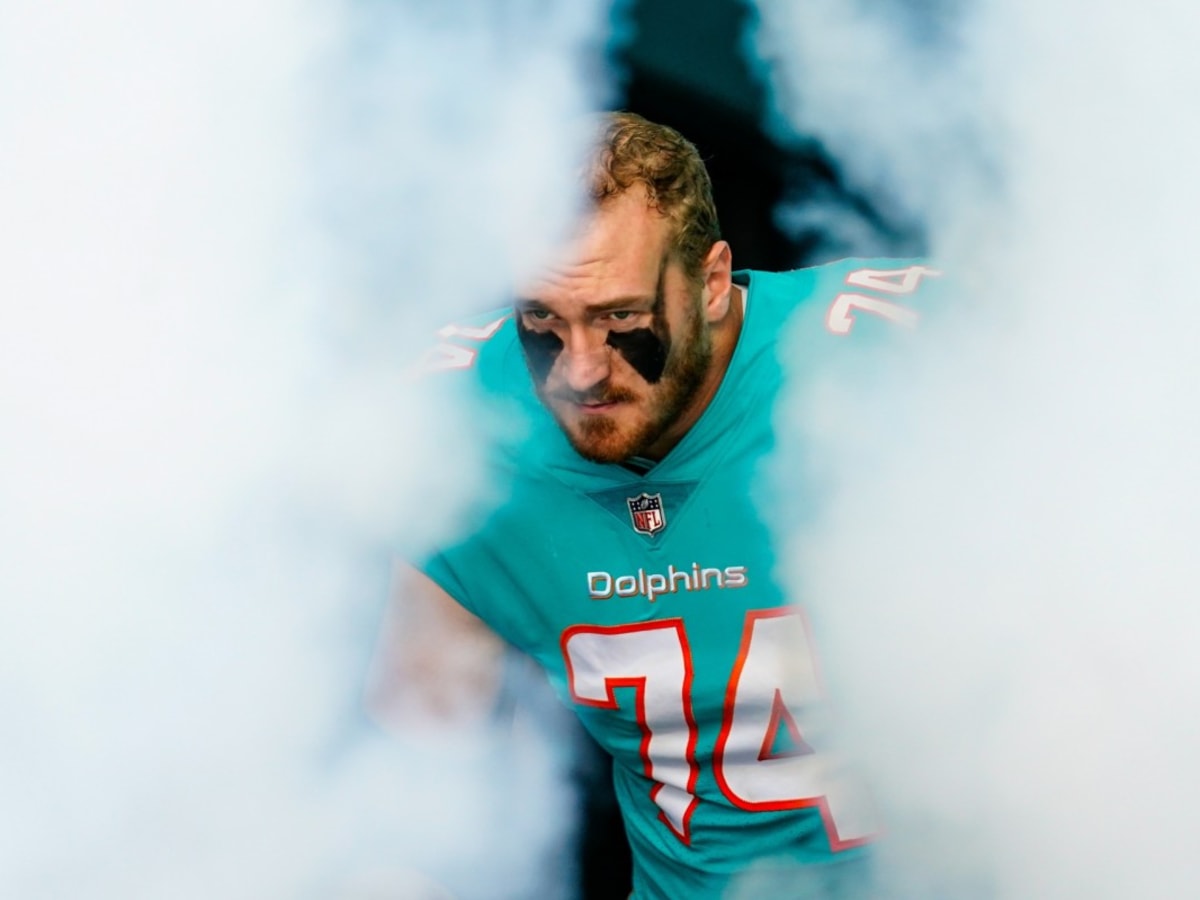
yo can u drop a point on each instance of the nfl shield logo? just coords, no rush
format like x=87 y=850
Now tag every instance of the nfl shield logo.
x=647 y=513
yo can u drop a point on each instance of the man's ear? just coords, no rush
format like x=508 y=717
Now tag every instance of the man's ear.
x=717 y=272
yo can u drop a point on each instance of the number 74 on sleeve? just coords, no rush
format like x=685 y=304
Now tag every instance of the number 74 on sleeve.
x=839 y=318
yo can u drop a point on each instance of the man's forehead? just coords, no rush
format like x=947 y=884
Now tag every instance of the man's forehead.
x=618 y=251
x=594 y=286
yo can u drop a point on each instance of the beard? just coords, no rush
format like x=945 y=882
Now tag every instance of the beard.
x=603 y=439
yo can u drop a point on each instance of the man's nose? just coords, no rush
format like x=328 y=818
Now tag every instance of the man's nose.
x=585 y=361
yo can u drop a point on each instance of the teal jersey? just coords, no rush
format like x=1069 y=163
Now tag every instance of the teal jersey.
x=651 y=599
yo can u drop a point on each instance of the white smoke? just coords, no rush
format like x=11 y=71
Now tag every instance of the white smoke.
x=1005 y=576
x=224 y=227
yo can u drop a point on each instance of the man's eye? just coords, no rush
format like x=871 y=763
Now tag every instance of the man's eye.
x=538 y=315
x=621 y=315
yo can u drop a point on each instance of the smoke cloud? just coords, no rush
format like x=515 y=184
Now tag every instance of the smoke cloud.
x=225 y=230
x=1002 y=578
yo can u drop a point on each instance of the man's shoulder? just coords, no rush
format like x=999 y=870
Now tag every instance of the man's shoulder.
x=801 y=287
x=832 y=296
x=473 y=373
x=482 y=347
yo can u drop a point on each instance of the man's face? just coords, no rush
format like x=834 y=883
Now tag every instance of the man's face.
x=616 y=338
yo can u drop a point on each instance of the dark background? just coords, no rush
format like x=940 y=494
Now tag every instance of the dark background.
x=685 y=64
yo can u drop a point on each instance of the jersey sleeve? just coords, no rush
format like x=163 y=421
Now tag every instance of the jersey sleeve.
x=477 y=574
x=474 y=366
x=864 y=297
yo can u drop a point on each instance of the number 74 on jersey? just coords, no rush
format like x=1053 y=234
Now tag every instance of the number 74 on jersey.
x=839 y=318
x=773 y=681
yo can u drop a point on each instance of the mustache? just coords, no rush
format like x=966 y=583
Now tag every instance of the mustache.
x=599 y=394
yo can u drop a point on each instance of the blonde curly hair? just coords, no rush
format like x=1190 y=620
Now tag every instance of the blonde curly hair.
x=632 y=150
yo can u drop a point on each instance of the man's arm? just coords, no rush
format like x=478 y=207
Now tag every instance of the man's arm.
x=436 y=663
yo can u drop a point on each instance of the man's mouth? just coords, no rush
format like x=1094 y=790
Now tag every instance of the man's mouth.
x=596 y=407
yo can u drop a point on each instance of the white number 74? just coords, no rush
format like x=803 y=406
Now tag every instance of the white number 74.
x=774 y=676
x=838 y=318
